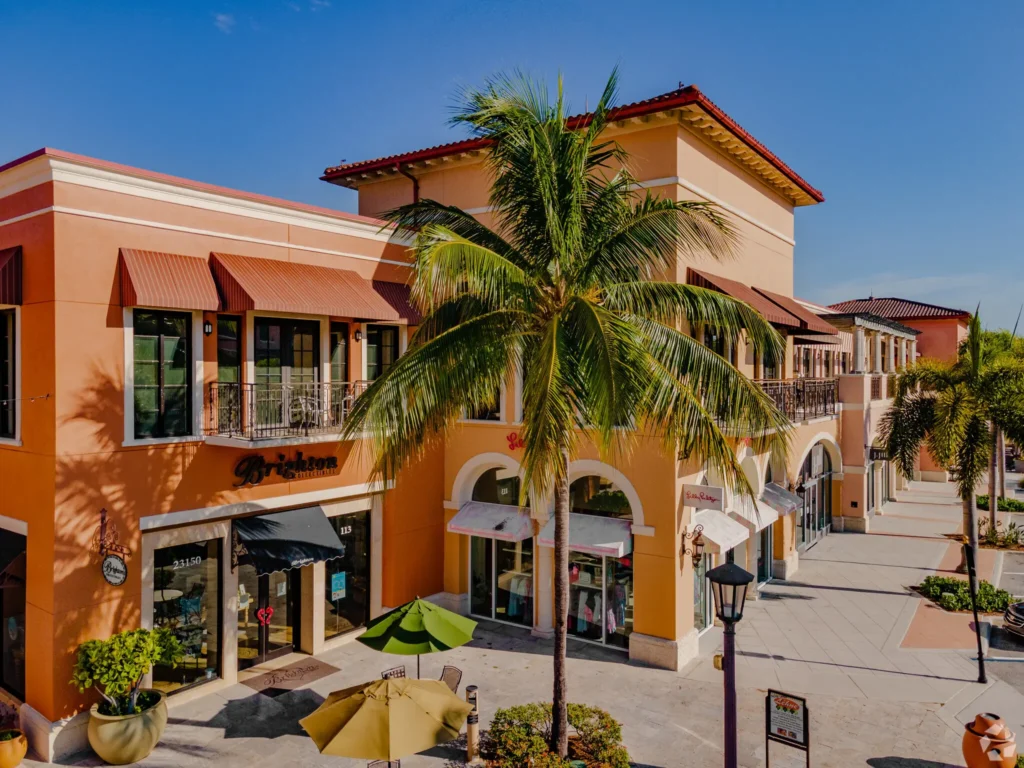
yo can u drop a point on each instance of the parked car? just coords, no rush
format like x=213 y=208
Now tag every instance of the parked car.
x=1014 y=619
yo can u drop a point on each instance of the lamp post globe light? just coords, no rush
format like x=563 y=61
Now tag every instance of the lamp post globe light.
x=729 y=585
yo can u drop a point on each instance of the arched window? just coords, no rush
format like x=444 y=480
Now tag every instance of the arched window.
x=498 y=486
x=593 y=495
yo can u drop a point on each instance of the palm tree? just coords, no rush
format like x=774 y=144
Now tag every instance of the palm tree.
x=954 y=408
x=567 y=287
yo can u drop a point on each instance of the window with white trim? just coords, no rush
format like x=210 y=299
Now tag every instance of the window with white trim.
x=8 y=395
x=162 y=349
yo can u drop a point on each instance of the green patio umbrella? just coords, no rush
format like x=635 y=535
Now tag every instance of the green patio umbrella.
x=416 y=628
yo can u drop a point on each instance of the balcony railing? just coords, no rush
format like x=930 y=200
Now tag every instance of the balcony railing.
x=802 y=399
x=273 y=411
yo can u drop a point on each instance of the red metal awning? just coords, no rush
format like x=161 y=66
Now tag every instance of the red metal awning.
x=166 y=280
x=809 y=321
x=397 y=295
x=769 y=310
x=284 y=286
x=10 y=275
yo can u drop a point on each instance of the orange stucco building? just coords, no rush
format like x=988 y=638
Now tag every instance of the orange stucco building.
x=176 y=360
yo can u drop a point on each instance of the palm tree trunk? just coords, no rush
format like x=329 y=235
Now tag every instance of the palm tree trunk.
x=993 y=475
x=1001 y=458
x=970 y=530
x=559 y=702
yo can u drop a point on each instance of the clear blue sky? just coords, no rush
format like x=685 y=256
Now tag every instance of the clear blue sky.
x=907 y=115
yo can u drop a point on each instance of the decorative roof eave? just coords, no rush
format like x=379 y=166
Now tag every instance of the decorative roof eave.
x=873 y=323
x=689 y=105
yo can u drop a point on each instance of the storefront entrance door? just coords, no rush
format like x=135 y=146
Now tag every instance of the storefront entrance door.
x=810 y=526
x=268 y=614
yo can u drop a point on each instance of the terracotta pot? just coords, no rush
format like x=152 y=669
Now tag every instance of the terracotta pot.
x=124 y=739
x=12 y=751
x=988 y=743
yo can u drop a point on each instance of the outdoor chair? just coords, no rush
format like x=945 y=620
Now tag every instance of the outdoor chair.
x=391 y=674
x=385 y=764
x=451 y=676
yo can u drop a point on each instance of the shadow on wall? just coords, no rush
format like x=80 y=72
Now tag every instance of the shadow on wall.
x=93 y=472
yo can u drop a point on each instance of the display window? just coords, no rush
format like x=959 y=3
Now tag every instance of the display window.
x=186 y=600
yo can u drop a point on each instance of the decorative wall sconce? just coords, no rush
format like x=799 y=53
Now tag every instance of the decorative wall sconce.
x=207 y=327
x=359 y=335
x=696 y=550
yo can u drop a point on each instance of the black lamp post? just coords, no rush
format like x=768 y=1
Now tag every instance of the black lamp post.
x=729 y=586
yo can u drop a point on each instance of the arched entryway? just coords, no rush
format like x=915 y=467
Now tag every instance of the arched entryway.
x=814 y=484
x=501 y=563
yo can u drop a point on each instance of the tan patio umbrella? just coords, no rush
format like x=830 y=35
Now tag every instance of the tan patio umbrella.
x=387 y=719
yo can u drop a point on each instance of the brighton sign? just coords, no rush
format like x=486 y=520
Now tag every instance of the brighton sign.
x=254 y=469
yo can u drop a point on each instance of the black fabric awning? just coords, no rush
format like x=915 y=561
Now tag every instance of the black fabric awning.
x=285 y=540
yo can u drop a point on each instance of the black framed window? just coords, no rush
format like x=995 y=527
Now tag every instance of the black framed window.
x=229 y=349
x=163 y=373
x=7 y=393
x=287 y=351
x=714 y=340
x=339 y=352
x=768 y=369
x=12 y=611
x=381 y=349
x=488 y=411
x=187 y=601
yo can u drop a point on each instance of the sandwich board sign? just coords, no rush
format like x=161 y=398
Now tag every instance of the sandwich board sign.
x=786 y=721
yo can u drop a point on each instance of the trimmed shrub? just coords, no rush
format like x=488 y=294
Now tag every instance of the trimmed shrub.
x=1005 y=505
x=518 y=738
x=955 y=594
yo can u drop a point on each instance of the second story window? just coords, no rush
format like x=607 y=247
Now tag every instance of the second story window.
x=7 y=393
x=714 y=340
x=381 y=349
x=339 y=353
x=489 y=411
x=163 y=373
x=229 y=349
x=768 y=368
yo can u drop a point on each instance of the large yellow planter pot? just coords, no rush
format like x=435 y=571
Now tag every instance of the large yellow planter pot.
x=124 y=739
x=12 y=751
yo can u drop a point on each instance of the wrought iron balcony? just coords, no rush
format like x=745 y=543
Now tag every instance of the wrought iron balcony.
x=802 y=399
x=275 y=411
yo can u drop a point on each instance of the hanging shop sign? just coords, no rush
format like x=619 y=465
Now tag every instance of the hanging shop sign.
x=878 y=454
x=254 y=469
x=115 y=570
x=786 y=721
x=112 y=552
x=704 y=497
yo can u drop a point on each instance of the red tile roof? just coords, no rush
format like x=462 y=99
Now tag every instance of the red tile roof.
x=893 y=308
x=166 y=280
x=680 y=97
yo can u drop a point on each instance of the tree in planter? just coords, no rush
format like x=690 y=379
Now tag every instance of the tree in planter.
x=952 y=408
x=568 y=288
x=115 y=667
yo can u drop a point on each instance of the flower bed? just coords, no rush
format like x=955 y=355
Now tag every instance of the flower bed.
x=1000 y=537
x=954 y=594
x=518 y=738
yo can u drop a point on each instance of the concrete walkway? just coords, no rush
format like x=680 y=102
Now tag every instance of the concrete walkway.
x=835 y=633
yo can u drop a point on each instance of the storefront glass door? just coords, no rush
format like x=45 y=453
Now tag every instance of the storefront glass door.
x=764 y=554
x=347 y=587
x=701 y=595
x=267 y=614
x=810 y=512
x=501 y=580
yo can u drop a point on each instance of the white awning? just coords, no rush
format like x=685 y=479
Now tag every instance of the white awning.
x=608 y=536
x=756 y=515
x=781 y=500
x=492 y=521
x=721 y=532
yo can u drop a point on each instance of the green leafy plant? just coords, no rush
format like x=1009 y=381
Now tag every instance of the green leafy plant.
x=1012 y=536
x=116 y=666
x=954 y=594
x=1005 y=505
x=988 y=533
x=518 y=738
x=1020 y=761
